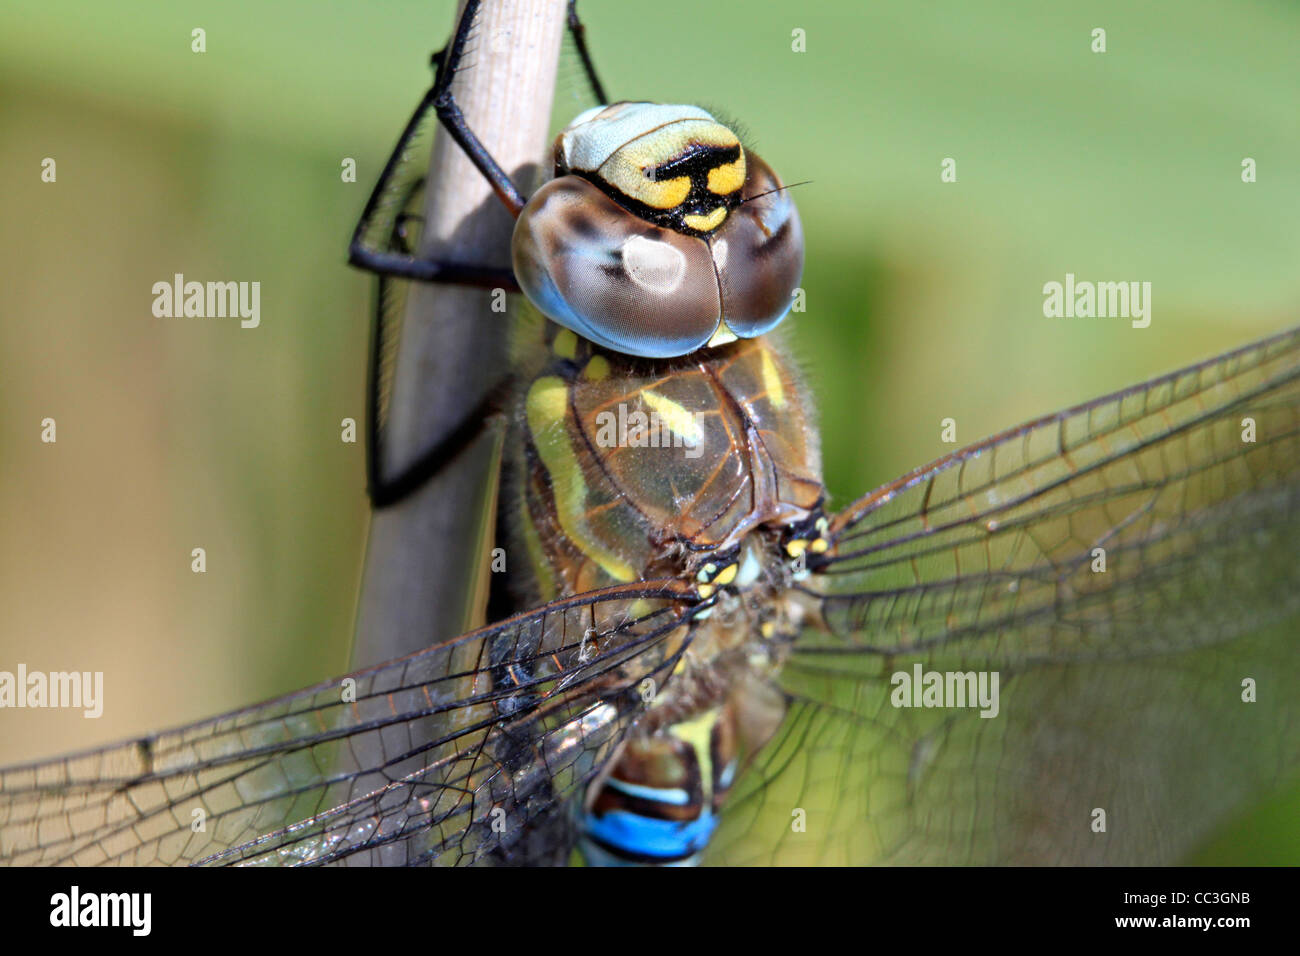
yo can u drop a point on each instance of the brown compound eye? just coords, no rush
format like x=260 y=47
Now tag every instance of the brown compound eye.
x=610 y=276
x=758 y=254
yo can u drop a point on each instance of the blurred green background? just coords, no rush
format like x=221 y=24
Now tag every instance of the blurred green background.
x=924 y=298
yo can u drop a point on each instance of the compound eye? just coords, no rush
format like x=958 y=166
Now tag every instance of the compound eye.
x=610 y=276
x=758 y=252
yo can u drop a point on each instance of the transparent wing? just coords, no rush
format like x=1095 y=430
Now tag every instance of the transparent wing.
x=467 y=752
x=1165 y=746
x=1161 y=516
x=1127 y=567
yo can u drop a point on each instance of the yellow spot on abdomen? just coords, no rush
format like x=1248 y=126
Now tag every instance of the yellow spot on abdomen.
x=697 y=732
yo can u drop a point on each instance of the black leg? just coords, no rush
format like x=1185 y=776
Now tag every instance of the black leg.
x=371 y=247
x=379 y=244
x=579 y=34
x=401 y=243
x=382 y=243
x=384 y=489
x=454 y=121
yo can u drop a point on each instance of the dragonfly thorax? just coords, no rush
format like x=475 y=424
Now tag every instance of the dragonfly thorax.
x=660 y=233
x=633 y=470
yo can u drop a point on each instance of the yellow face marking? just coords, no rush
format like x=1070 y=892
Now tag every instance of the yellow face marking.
x=545 y=408
x=706 y=590
x=706 y=223
x=678 y=419
x=626 y=168
x=668 y=194
x=633 y=181
x=772 y=383
x=565 y=344
x=820 y=545
x=597 y=369
x=728 y=575
x=727 y=178
x=796 y=547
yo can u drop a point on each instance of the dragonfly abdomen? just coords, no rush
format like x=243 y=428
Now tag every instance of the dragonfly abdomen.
x=658 y=806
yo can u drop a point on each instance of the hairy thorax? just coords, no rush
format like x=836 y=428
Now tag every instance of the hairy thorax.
x=634 y=469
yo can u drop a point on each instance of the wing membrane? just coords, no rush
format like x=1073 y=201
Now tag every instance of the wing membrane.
x=1121 y=689
x=996 y=552
x=1165 y=745
x=463 y=753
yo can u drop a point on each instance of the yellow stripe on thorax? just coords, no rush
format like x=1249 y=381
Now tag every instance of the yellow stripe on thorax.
x=546 y=409
x=772 y=383
x=672 y=414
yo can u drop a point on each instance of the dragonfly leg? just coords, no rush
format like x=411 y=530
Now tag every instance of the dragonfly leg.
x=379 y=244
x=371 y=247
x=385 y=489
x=444 y=103
x=579 y=34
x=448 y=60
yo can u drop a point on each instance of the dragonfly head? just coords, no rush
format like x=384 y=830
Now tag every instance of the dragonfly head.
x=660 y=233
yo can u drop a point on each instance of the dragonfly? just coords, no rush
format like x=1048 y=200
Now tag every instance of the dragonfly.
x=1071 y=642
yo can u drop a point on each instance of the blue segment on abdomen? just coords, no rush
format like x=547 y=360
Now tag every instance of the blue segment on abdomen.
x=638 y=835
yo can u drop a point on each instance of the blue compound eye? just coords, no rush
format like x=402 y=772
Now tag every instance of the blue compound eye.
x=660 y=234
